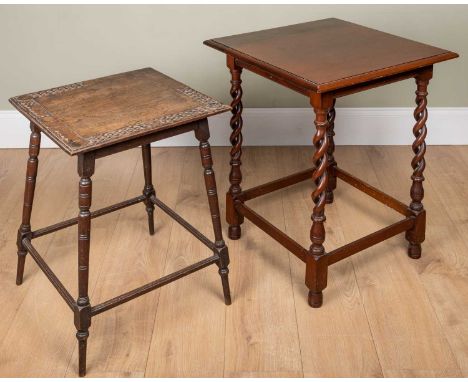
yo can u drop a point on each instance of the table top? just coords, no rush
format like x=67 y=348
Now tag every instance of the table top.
x=87 y=115
x=329 y=54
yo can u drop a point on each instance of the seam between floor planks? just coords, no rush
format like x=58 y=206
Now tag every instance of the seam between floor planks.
x=297 y=297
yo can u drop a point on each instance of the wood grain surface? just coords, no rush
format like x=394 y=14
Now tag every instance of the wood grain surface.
x=86 y=115
x=386 y=315
x=329 y=54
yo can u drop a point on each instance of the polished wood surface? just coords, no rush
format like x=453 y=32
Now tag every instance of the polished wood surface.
x=87 y=115
x=328 y=54
x=325 y=60
x=386 y=314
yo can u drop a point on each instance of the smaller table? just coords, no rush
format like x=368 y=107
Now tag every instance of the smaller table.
x=97 y=118
x=325 y=60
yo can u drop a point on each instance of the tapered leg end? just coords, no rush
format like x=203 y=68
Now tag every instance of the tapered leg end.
x=20 y=268
x=224 y=272
x=227 y=300
x=82 y=337
x=150 y=213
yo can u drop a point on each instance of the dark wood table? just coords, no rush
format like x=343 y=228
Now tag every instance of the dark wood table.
x=325 y=60
x=96 y=118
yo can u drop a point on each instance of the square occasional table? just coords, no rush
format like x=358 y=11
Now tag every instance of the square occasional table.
x=97 y=118
x=325 y=60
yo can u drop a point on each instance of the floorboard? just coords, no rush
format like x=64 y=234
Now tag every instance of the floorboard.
x=384 y=314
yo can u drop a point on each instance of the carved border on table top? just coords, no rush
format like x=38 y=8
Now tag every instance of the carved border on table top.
x=208 y=106
x=52 y=91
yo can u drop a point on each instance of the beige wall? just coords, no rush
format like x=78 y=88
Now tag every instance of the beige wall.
x=45 y=46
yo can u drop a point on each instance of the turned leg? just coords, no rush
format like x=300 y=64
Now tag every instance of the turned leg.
x=148 y=190
x=330 y=154
x=235 y=176
x=316 y=261
x=416 y=235
x=83 y=306
x=31 y=174
x=202 y=133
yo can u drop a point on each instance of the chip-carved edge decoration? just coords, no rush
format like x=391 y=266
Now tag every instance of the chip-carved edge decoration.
x=209 y=106
x=39 y=113
x=33 y=107
x=58 y=90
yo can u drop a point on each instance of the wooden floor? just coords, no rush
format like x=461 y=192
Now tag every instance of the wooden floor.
x=384 y=314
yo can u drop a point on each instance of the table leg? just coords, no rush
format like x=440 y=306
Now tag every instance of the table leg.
x=202 y=133
x=83 y=306
x=416 y=235
x=235 y=176
x=148 y=190
x=316 y=261
x=330 y=153
x=30 y=185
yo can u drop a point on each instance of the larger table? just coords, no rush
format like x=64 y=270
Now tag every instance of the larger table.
x=325 y=60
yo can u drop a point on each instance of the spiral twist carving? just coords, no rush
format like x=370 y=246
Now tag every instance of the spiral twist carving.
x=320 y=159
x=418 y=162
x=331 y=149
x=320 y=177
x=331 y=133
x=235 y=176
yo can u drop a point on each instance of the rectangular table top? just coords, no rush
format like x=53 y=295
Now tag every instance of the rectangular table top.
x=87 y=115
x=329 y=54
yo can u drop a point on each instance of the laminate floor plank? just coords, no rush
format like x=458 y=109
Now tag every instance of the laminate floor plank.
x=189 y=330
x=443 y=268
x=340 y=326
x=261 y=328
x=119 y=338
x=384 y=314
x=406 y=330
x=32 y=304
x=11 y=204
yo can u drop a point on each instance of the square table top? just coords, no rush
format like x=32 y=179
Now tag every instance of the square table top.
x=87 y=115
x=329 y=54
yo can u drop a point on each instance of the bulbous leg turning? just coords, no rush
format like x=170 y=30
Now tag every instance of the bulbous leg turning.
x=30 y=185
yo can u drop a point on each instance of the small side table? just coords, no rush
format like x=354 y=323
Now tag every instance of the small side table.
x=97 y=118
x=325 y=60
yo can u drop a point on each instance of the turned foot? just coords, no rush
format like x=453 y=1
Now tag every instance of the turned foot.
x=414 y=250
x=234 y=232
x=315 y=299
